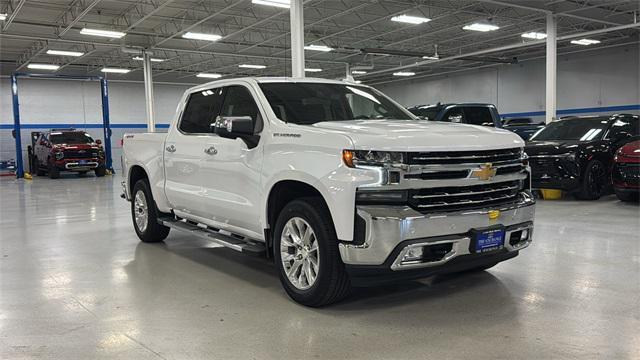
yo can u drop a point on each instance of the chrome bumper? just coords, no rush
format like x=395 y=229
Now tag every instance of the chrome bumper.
x=387 y=227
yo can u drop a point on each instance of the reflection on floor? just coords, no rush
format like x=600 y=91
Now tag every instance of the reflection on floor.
x=75 y=283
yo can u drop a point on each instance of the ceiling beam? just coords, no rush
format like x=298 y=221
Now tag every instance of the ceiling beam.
x=13 y=15
x=76 y=18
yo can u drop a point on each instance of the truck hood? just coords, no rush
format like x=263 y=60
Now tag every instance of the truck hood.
x=421 y=135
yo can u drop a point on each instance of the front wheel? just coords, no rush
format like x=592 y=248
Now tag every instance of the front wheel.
x=100 y=171
x=145 y=215
x=306 y=253
x=594 y=181
x=53 y=171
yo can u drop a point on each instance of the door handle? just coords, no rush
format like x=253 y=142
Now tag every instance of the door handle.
x=171 y=148
x=211 y=150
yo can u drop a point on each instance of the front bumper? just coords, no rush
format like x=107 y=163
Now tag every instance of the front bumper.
x=78 y=164
x=389 y=231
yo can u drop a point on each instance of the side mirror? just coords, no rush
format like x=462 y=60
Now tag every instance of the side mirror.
x=99 y=142
x=232 y=127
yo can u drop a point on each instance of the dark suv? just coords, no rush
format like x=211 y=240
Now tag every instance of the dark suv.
x=67 y=150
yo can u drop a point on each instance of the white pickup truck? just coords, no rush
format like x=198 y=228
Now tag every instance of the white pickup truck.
x=336 y=182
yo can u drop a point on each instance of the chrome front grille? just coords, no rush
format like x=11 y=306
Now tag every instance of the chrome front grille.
x=455 y=198
x=496 y=157
x=80 y=154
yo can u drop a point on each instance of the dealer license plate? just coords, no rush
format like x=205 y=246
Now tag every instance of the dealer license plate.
x=489 y=240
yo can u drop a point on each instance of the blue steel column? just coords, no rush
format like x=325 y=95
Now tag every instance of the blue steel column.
x=16 y=126
x=104 y=91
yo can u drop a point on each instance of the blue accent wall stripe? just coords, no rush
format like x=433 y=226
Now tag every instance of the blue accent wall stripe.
x=612 y=109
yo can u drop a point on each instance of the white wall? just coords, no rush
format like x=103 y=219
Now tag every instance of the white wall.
x=47 y=103
x=599 y=78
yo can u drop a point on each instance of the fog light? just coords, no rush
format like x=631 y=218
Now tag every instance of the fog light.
x=413 y=254
x=524 y=235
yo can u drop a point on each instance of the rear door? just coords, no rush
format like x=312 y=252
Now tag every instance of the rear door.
x=231 y=170
x=184 y=151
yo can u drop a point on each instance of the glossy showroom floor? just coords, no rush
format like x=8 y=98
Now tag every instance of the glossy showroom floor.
x=75 y=283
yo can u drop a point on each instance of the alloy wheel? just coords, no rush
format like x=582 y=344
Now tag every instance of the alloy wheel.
x=141 y=211
x=299 y=253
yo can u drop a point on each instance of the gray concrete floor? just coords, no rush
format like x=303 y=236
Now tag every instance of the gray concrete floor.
x=75 y=283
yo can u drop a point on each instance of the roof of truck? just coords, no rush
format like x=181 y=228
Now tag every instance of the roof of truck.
x=263 y=80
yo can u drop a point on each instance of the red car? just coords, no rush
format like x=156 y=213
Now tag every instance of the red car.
x=626 y=172
x=68 y=150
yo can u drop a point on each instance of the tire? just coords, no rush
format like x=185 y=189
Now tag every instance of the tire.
x=594 y=181
x=149 y=230
x=100 y=171
x=627 y=196
x=331 y=283
x=53 y=171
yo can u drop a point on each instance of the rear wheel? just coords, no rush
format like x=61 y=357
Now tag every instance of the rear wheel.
x=306 y=253
x=145 y=215
x=594 y=181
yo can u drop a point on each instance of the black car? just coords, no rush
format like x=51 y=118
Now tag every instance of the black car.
x=576 y=154
x=467 y=113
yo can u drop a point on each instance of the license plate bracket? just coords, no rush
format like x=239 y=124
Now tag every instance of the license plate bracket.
x=487 y=239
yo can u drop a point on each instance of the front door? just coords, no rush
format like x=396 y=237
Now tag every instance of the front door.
x=184 y=151
x=231 y=169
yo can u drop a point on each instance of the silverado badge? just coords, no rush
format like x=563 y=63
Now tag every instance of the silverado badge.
x=485 y=172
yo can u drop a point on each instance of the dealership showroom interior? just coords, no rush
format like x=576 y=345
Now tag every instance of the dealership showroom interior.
x=319 y=179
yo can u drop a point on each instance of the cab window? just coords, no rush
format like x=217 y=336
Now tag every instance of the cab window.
x=201 y=110
x=238 y=101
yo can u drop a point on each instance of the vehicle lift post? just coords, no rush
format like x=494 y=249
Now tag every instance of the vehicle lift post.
x=106 y=127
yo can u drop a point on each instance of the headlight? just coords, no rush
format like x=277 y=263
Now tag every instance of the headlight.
x=59 y=155
x=352 y=158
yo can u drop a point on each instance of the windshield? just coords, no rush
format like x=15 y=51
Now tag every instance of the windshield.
x=427 y=113
x=575 y=129
x=309 y=103
x=70 y=138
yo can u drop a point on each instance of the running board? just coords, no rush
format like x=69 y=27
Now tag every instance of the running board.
x=231 y=242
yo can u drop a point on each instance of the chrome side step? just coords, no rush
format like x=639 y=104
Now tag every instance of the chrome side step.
x=237 y=244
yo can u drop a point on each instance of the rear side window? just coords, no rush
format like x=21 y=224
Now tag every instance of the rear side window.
x=478 y=115
x=200 y=112
x=238 y=101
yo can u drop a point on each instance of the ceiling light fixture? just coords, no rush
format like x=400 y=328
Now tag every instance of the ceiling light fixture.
x=318 y=48
x=585 y=42
x=104 y=33
x=3 y=17
x=534 y=35
x=358 y=72
x=415 y=20
x=251 y=66
x=65 y=53
x=431 y=57
x=43 y=66
x=312 y=69
x=482 y=27
x=209 y=75
x=115 y=70
x=277 y=3
x=201 y=36
x=140 y=58
x=403 y=73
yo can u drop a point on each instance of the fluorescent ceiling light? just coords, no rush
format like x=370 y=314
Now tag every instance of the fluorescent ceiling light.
x=534 y=35
x=201 y=36
x=403 y=73
x=43 y=66
x=312 y=69
x=358 y=81
x=64 y=53
x=115 y=70
x=277 y=3
x=358 y=72
x=416 y=20
x=251 y=66
x=3 y=17
x=209 y=75
x=431 y=57
x=318 y=48
x=482 y=27
x=585 y=42
x=105 y=33
x=140 y=58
